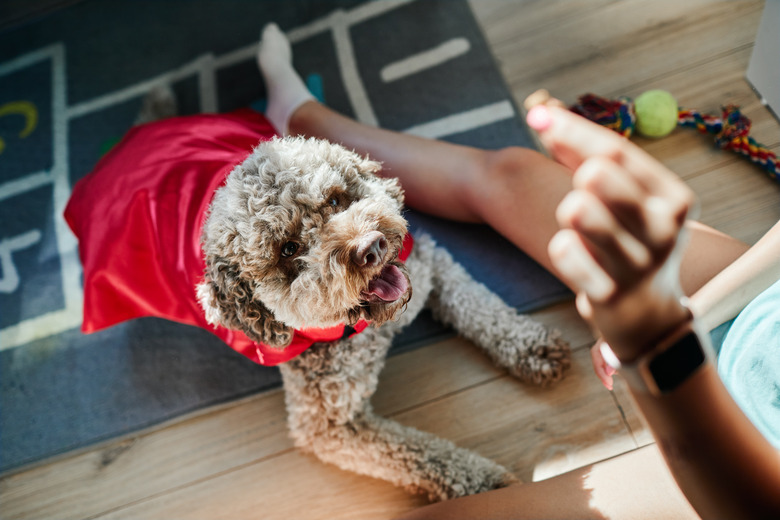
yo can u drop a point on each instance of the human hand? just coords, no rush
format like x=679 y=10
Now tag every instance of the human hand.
x=619 y=227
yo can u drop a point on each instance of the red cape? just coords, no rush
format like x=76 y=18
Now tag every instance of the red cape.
x=138 y=217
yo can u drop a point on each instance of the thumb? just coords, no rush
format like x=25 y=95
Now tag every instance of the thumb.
x=571 y=139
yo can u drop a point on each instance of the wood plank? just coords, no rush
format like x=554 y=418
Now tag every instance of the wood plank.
x=136 y=467
x=621 y=44
x=738 y=199
x=711 y=76
x=223 y=438
x=412 y=378
x=535 y=432
x=294 y=486
x=564 y=317
x=506 y=20
x=636 y=423
x=718 y=82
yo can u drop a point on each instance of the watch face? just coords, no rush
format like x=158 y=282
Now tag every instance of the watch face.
x=675 y=364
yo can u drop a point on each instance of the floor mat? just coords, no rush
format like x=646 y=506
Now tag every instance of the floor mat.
x=71 y=84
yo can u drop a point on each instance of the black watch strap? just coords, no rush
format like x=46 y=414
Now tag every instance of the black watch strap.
x=668 y=369
x=668 y=365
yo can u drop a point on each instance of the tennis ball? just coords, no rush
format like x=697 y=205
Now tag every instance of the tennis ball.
x=656 y=113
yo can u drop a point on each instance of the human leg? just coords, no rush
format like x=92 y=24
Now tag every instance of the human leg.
x=635 y=485
x=453 y=181
x=514 y=190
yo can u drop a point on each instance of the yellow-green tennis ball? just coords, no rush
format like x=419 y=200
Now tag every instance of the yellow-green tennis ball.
x=656 y=113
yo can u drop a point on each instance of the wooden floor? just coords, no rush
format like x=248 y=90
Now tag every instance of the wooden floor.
x=237 y=462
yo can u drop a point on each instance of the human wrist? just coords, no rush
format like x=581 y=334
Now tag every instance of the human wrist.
x=658 y=322
x=671 y=360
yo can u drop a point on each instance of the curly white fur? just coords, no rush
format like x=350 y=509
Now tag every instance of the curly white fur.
x=326 y=200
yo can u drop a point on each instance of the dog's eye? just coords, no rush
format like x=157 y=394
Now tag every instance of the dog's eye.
x=335 y=203
x=289 y=249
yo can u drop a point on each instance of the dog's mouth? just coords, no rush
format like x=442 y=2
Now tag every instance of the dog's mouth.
x=388 y=286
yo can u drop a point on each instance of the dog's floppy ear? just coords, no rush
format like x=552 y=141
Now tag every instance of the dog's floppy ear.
x=227 y=300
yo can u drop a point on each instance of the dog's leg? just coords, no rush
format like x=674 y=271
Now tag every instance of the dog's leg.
x=526 y=348
x=328 y=389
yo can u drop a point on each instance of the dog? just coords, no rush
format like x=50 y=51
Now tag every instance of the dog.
x=303 y=234
x=298 y=255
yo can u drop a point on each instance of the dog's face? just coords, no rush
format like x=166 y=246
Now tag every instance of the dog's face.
x=303 y=234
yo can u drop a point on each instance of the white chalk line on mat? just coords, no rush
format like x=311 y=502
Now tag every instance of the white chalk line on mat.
x=425 y=60
x=464 y=121
x=70 y=268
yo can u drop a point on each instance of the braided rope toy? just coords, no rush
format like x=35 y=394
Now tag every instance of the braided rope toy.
x=731 y=129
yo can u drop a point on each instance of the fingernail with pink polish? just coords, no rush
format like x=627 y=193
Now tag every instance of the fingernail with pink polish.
x=539 y=118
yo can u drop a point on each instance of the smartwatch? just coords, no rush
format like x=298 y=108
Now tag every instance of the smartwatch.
x=665 y=367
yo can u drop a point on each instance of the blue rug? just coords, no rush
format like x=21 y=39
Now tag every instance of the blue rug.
x=71 y=84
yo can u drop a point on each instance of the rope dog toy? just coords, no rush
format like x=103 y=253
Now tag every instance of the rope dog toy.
x=655 y=114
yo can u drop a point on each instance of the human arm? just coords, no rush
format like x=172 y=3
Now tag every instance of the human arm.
x=620 y=228
x=725 y=295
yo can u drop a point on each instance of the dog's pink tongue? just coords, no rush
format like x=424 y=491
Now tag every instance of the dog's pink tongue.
x=390 y=285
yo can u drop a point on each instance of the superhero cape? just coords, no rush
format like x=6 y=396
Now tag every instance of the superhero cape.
x=138 y=217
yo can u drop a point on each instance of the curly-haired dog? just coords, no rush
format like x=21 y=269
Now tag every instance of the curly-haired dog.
x=304 y=234
x=300 y=242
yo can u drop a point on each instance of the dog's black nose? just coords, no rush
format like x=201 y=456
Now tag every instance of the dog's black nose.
x=371 y=250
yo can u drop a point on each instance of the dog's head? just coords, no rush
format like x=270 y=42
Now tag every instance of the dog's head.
x=303 y=234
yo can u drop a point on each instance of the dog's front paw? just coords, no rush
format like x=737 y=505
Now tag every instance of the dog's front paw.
x=541 y=360
x=529 y=351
